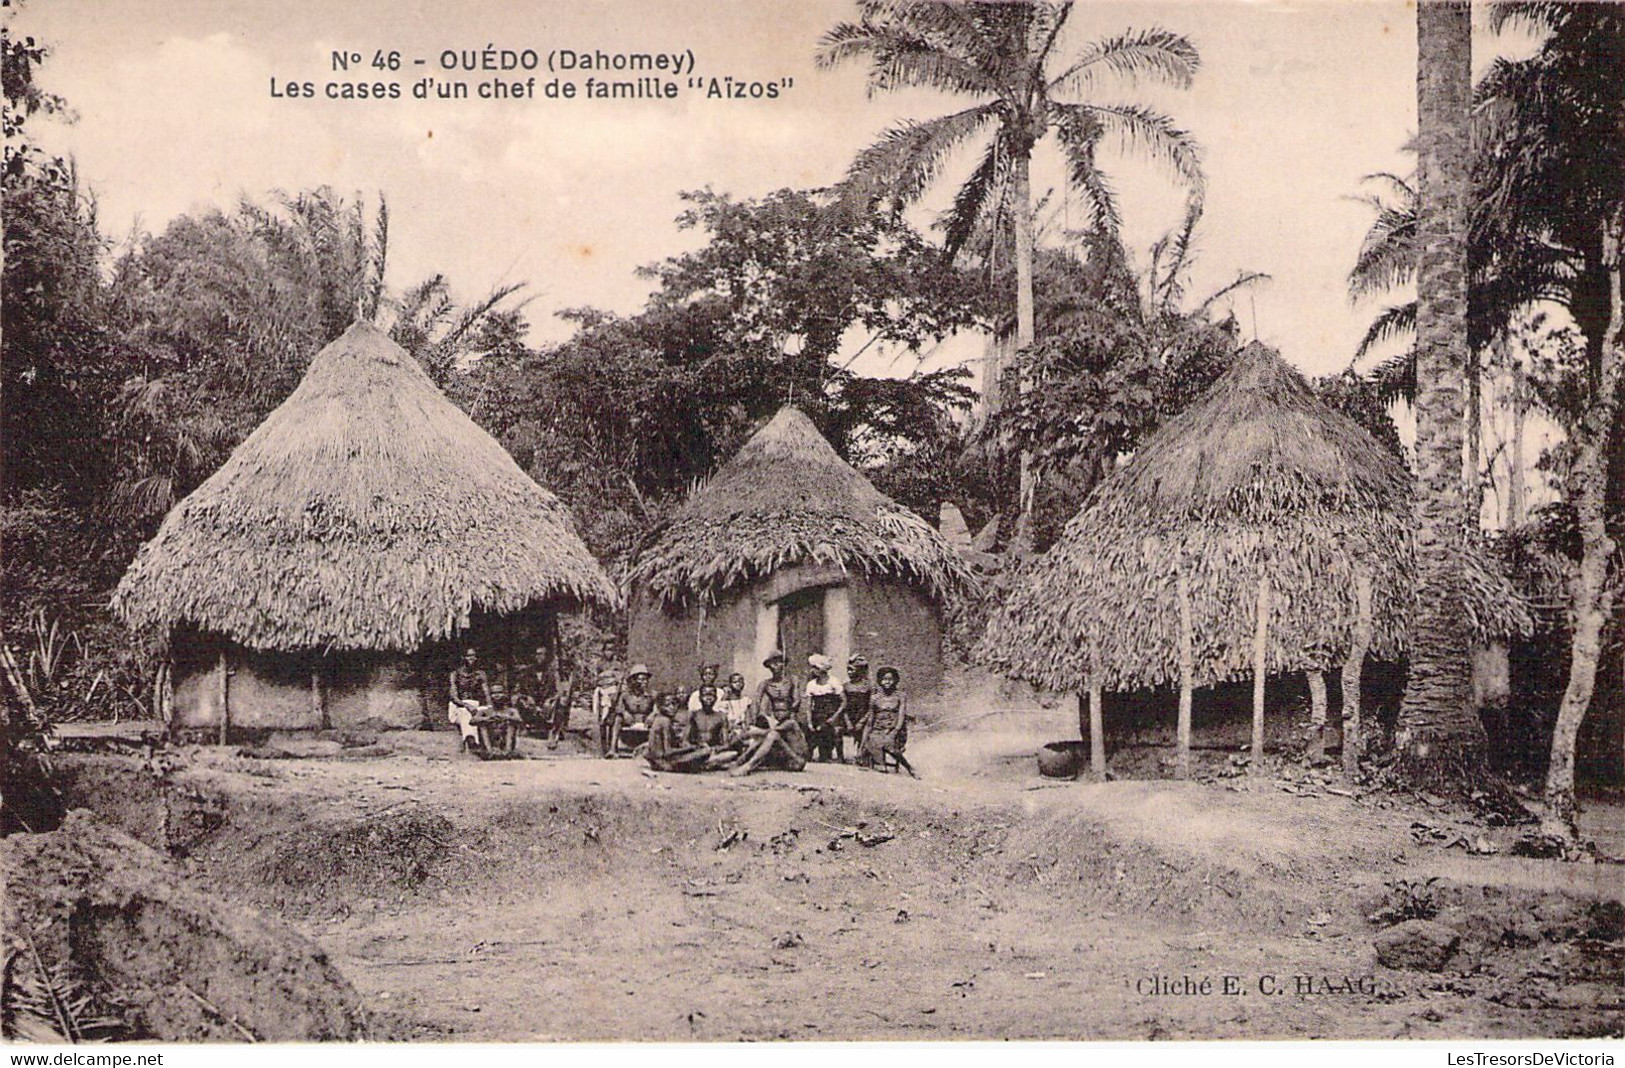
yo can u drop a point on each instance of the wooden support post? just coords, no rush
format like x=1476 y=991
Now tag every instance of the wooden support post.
x=317 y=705
x=1353 y=668
x=1097 y=732
x=1261 y=650
x=1317 y=698
x=1186 y=670
x=225 y=697
x=1317 y=716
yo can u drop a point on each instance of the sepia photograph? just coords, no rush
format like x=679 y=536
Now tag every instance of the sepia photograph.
x=844 y=521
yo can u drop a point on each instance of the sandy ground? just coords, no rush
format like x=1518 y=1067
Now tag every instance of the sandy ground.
x=566 y=897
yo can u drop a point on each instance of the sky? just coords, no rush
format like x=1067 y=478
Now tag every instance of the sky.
x=1294 y=102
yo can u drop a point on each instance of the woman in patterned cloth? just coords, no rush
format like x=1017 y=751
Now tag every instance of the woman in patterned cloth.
x=856 y=693
x=885 y=733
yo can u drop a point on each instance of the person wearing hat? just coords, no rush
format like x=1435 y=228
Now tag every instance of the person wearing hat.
x=777 y=739
x=855 y=693
x=824 y=701
x=777 y=698
x=633 y=707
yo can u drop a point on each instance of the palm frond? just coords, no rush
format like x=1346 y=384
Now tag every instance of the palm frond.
x=1142 y=131
x=1079 y=132
x=1395 y=377
x=980 y=192
x=906 y=158
x=899 y=58
x=1243 y=280
x=1393 y=321
x=1048 y=21
x=1388 y=252
x=1156 y=55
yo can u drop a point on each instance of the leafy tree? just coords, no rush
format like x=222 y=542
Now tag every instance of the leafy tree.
x=1117 y=356
x=1555 y=176
x=626 y=415
x=1005 y=57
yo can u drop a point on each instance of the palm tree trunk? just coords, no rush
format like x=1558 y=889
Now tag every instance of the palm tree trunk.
x=1353 y=672
x=1591 y=590
x=1261 y=649
x=1475 y=442
x=1440 y=737
x=1026 y=330
x=1515 y=494
x=1186 y=672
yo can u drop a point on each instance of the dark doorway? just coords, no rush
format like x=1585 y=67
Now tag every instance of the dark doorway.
x=801 y=628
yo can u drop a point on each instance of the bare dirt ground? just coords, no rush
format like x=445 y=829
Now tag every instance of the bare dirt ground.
x=566 y=897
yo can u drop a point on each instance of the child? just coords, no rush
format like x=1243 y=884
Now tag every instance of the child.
x=707 y=725
x=708 y=677
x=735 y=706
x=885 y=732
x=604 y=697
x=669 y=749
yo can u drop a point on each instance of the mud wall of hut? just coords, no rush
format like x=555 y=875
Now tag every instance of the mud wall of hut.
x=896 y=624
x=889 y=622
x=219 y=681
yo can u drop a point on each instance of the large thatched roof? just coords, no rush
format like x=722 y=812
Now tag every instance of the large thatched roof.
x=366 y=512
x=787 y=498
x=1258 y=475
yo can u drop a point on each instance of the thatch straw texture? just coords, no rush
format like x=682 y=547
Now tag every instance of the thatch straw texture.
x=366 y=512
x=787 y=498
x=1258 y=478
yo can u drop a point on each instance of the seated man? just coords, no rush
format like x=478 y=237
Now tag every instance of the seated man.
x=633 y=708
x=470 y=696
x=498 y=726
x=777 y=738
x=544 y=698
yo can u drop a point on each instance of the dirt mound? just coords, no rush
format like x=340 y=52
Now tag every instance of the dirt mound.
x=99 y=910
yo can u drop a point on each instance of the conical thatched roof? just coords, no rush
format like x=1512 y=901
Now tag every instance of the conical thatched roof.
x=1258 y=476
x=366 y=512
x=787 y=498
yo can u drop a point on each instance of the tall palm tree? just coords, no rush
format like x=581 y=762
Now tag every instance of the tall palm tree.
x=1005 y=57
x=1440 y=736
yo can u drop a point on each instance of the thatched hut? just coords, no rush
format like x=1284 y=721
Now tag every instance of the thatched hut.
x=1259 y=532
x=788 y=546
x=318 y=577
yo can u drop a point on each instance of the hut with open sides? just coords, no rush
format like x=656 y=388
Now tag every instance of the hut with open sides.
x=1259 y=532
x=320 y=576
x=788 y=546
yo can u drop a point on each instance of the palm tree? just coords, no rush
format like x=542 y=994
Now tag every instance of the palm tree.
x=1440 y=736
x=1005 y=57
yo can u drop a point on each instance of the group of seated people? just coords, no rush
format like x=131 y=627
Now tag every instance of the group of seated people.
x=490 y=715
x=710 y=727
x=784 y=725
